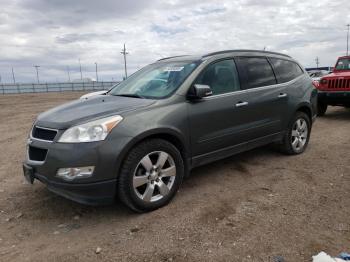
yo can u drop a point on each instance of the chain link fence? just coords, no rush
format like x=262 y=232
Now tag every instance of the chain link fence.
x=54 y=87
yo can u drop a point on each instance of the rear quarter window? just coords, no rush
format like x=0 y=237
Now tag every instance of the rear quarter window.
x=285 y=70
x=255 y=72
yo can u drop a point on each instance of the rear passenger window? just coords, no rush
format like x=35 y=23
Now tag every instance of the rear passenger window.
x=221 y=76
x=255 y=72
x=285 y=70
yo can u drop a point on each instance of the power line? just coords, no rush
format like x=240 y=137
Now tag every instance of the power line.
x=37 y=72
x=68 y=73
x=96 y=72
x=81 y=73
x=124 y=53
x=13 y=76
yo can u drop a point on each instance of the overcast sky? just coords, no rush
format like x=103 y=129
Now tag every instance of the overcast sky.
x=54 y=34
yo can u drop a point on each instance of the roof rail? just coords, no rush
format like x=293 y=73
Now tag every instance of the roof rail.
x=243 y=50
x=170 y=57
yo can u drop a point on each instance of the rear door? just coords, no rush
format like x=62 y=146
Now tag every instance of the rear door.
x=266 y=100
x=287 y=74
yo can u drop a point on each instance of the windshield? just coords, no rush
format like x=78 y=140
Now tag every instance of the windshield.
x=343 y=64
x=155 y=81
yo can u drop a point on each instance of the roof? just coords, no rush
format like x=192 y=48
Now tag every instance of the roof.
x=187 y=57
x=245 y=51
x=346 y=56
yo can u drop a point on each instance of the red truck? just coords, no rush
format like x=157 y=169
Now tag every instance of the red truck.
x=334 y=89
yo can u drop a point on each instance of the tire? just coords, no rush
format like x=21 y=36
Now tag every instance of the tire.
x=293 y=133
x=146 y=181
x=321 y=109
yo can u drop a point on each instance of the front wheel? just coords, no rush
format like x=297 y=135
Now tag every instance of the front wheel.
x=297 y=137
x=151 y=175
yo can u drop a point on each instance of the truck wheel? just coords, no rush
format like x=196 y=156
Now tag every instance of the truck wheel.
x=297 y=136
x=151 y=175
x=321 y=109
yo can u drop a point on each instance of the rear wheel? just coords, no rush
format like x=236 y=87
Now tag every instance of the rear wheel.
x=297 y=137
x=151 y=175
x=321 y=109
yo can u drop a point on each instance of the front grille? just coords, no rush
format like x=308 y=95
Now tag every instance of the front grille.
x=37 y=154
x=339 y=83
x=44 y=133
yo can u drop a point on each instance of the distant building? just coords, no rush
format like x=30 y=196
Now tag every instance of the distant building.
x=326 y=68
x=87 y=79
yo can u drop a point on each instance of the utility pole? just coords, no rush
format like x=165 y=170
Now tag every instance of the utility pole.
x=96 y=72
x=317 y=61
x=37 y=72
x=81 y=74
x=347 y=40
x=124 y=53
x=13 y=76
x=68 y=73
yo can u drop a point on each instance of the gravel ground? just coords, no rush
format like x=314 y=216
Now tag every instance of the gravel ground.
x=255 y=206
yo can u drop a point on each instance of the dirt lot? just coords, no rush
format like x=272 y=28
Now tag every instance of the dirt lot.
x=251 y=207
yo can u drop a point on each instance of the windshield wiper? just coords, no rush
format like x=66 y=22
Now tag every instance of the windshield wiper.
x=130 y=95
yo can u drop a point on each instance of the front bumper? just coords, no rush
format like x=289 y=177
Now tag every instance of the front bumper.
x=98 y=193
x=105 y=156
x=334 y=97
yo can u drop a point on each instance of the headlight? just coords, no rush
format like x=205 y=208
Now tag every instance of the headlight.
x=324 y=81
x=90 y=132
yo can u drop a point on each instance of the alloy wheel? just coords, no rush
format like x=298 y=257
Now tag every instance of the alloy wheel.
x=154 y=176
x=299 y=135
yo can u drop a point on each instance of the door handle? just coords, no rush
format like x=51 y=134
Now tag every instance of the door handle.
x=281 y=95
x=240 y=104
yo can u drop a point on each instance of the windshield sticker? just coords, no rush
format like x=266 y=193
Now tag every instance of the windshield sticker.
x=173 y=68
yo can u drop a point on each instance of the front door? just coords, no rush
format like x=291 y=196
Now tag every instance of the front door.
x=215 y=120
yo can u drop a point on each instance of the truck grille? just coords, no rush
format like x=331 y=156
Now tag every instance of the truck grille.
x=37 y=154
x=339 y=83
x=44 y=133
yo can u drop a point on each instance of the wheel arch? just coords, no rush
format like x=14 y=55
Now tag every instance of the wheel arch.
x=168 y=134
x=305 y=108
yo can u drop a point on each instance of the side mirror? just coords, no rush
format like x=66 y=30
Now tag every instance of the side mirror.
x=200 y=91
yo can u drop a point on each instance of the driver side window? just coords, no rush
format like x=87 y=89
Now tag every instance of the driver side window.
x=222 y=77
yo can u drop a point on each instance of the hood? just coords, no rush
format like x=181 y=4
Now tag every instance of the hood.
x=80 y=111
x=338 y=74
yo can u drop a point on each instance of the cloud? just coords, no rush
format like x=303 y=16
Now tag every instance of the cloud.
x=207 y=10
x=77 y=12
x=166 y=31
x=56 y=33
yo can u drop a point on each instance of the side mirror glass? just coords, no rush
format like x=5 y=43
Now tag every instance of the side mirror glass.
x=200 y=91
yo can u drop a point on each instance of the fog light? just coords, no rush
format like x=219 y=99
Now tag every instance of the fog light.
x=72 y=173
